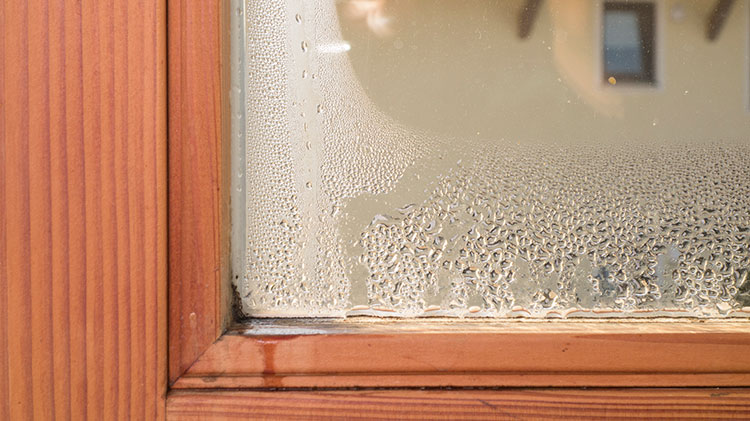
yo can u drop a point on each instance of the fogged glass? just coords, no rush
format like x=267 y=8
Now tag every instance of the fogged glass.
x=564 y=158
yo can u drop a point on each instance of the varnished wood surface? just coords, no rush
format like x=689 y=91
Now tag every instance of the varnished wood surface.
x=482 y=353
x=198 y=312
x=83 y=245
x=196 y=174
x=82 y=209
x=539 y=404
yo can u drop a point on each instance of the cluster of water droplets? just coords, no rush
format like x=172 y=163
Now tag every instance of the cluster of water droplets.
x=273 y=220
x=313 y=140
x=287 y=250
x=512 y=230
x=364 y=150
x=541 y=230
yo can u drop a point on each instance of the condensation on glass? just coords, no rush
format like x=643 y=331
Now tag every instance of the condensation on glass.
x=491 y=158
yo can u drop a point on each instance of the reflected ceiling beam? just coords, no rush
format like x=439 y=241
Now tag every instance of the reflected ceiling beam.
x=717 y=18
x=527 y=16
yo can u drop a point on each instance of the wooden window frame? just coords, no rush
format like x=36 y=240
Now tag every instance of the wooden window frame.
x=208 y=353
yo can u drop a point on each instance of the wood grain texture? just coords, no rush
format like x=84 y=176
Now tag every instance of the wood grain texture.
x=550 y=404
x=197 y=198
x=416 y=354
x=83 y=209
x=642 y=354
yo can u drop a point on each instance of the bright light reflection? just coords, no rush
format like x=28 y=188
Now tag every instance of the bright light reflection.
x=340 y=47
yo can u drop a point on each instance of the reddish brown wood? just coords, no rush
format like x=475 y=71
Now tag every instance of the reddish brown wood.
x=560 y=354
x=549 y=404
x=83 y=210
x=195 y=173
x=4 y=349
x=405 y=354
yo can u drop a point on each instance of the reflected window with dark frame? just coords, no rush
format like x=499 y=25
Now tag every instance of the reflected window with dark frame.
x=629 y=42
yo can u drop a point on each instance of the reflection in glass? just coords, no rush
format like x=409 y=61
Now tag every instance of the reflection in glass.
x=406 y=158
x=628 y=41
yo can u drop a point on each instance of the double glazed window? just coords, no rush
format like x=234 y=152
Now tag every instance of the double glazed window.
x=399 y=158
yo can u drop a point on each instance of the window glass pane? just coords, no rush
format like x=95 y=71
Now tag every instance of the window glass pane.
x=435 y=158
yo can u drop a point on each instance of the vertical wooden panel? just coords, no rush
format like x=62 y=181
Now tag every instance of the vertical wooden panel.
x=60 y=227
x=83 y=209
x=40 y=212
x=195 y=174
x=106 y=81
x=122 y=214
x=4 y=392
x=15 y=103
